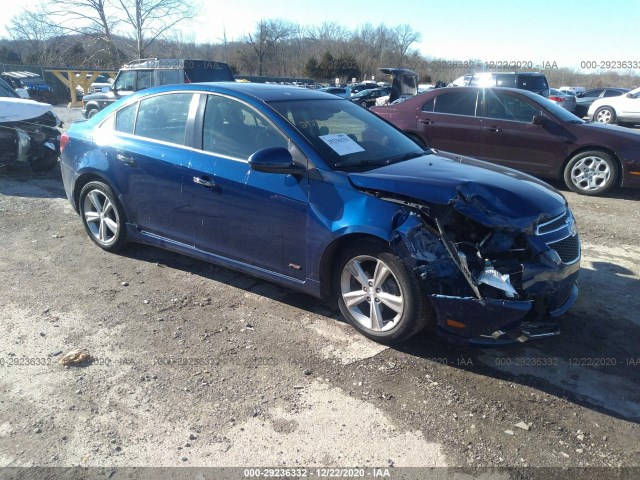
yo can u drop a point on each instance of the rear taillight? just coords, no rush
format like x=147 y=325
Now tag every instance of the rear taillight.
x=556 y=99
x=64 y=139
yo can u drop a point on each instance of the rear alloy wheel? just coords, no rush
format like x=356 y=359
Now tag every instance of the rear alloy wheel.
x=102 y=216
x=378 y=295
x=92 y=112
x=591 y=173
x=363 y=104
x=605 y=115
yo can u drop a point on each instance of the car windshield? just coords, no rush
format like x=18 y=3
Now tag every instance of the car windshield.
x=7 y=91
x=347 y=136
x=562 y=114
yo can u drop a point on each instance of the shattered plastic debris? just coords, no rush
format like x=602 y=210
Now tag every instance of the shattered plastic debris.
x=75 y=357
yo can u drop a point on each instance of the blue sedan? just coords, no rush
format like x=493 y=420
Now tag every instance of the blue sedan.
x=311 y=191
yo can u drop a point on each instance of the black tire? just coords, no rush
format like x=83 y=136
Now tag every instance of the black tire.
x=102 y=216
x=591 y=173
x=400 y=287
x=606 y=115
x=92 y=112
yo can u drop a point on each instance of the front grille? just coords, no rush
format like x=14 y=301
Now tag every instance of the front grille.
x=568 y=249
x=553 y=224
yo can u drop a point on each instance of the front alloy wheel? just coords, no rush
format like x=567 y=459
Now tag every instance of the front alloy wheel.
x=102 y=216
x=591 y=173
x=372 y=293
x=378 y=295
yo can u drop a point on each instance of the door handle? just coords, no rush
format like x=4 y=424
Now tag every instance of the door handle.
x=494 y=129
x=126 y=159
x=204 y=181
x=426 y=121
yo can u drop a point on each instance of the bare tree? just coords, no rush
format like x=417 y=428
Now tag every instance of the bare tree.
x=405 y=37
x=87 y=17
x=266 y=37
x=34 y=29
x=153 y=19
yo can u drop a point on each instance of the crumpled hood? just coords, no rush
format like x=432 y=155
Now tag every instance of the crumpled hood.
x=491 y=195
x=19 y=109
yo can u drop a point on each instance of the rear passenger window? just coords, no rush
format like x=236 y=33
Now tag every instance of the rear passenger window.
x=164 y=117
x=457 y=103
x=168 y=77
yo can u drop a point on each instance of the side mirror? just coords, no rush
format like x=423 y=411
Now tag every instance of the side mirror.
x=274 y=160
x=631 y=95
x=539 y=120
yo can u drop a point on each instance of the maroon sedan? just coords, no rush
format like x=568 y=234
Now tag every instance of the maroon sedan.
x=522 y=130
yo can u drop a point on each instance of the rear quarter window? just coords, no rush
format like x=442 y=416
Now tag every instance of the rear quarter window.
x=203 y=71
x=125 y=119
x=532 y=82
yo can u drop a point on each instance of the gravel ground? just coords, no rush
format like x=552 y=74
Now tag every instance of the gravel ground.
x=196 y=365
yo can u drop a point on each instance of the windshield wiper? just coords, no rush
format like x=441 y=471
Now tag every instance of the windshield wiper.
x=361 y=163
x=380 y=163
x=406 y=156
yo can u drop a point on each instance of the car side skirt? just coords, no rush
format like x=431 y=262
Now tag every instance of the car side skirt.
x=308 y=286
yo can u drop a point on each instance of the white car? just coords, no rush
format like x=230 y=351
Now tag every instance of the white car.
x=621 y=110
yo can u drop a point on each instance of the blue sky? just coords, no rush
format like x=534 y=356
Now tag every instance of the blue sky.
x=567 y=32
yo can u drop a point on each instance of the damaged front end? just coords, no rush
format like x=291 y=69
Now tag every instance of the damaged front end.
x=490 y=279
x=29 y=142
x=29 y=133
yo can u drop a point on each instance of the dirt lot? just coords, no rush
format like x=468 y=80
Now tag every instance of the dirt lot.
x=196 y=365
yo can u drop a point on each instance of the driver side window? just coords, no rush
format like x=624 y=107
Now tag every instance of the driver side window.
x=233 y=129
x=506 y=107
